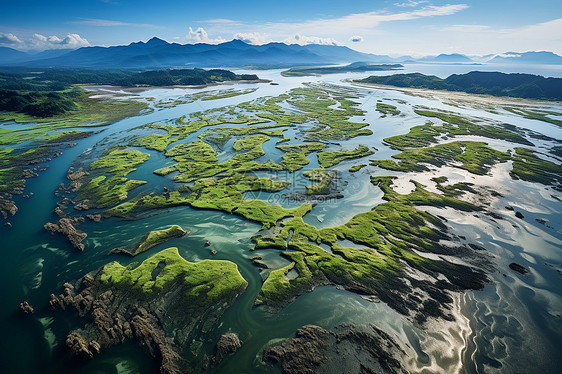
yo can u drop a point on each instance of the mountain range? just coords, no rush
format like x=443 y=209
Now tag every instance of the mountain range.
x=236 y=53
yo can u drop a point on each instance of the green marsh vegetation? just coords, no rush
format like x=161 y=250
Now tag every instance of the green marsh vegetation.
x=332 y=158
x=332 y=123
x=152 y=239
x=541 y=115
x=392 y=234
x=476 y=157
x=203 y=96
x=296 y=156
x=203 y=284
x=529 y=167
x=356 y=168
x=387 y=109
x=101 y=191
x=386 y=240
x=324 y=181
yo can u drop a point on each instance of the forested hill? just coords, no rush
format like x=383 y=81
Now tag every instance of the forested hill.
x=526 y=86
x=60 y=79
x=51 y=92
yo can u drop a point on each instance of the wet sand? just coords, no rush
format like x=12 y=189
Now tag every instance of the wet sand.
x=108 y=91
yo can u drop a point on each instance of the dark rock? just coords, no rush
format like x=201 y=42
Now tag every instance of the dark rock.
x=476 y=247
x=316 y=350
x=26 y=308
x=82 y=205
x=8 y=208
x=81 y=347
x=227 y=344
x=94 y=217
x=495 y=215
x=518 y=268
x=113 y=314
x=509 y=207
x=66 y=227
x=59 y=212
x=76 y=178
x=519 y=215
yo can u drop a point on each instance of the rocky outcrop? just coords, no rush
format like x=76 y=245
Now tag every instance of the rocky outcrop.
x=83 y=205
x=81 y=347
x=118 y=309
x=8 y=208
x=228 y=343
x=65 y=226
x=151 y=239
x=76 y=178
x=518 y=268
x=26 y=308
x=94 y=217
x=350 y=349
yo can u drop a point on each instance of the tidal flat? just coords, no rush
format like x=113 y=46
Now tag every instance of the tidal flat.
x=418 y=209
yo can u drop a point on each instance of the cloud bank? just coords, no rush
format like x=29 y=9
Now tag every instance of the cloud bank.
x=201 y=36
x=40 y=42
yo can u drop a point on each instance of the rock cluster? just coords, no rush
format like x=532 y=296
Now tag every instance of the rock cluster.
x=518 y=268
x=8 y=208
x=94 y=217
x=65 y=226
x=153 y=304
x=112 y=324
x=75 y=178
x=354 y=349
x=228 y=343
x=26 y=308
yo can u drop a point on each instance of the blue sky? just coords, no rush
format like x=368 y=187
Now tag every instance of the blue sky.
x=413 y=27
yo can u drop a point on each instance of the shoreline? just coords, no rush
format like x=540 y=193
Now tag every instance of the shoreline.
x=459 y=95
x=106 y=90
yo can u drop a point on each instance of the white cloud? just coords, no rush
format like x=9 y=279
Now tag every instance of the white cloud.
x=411 y=3
x=303 y=40
x=70 y=41
x=41 y=42
x=341 y=27
x=363 y=22
x=201 y=36
x=251 y=37
x=508 y=55
x=541 y=36
x=467 y=28
x=356 y=39
x=9 y=38
x=110 y=23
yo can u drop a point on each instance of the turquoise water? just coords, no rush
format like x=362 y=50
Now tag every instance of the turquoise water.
x=513 y=323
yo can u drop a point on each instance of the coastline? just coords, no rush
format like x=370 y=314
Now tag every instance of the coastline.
x=107 y=91
x=475 y=99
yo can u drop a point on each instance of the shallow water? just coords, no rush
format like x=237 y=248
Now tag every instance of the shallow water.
x=513 y=323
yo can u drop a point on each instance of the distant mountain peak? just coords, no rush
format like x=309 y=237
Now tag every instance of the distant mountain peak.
x=235 y=43
x=154 y=41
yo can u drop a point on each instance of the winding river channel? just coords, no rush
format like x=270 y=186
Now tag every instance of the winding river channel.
x=512 y=325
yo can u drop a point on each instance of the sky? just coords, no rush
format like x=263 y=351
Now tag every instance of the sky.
x=399 y=27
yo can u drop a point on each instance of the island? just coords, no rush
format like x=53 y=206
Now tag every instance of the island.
x=160 y=304
x=527 y=86
x=356 y=67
